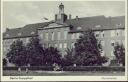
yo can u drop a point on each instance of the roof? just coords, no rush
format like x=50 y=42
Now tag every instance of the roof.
x=77 y=24
x=26 y=31
x=96 y=23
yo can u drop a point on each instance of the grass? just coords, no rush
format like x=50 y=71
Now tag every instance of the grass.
x=62 y=73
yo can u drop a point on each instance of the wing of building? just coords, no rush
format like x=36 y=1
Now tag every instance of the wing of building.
x=64 y=31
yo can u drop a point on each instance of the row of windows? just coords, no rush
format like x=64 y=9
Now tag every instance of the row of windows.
x=117 y=33
x=53 y=35
x=113 y=42
x=19 y=34
x=59 y=37
x=10 y=41
x=76 y=35
x=113 y=33
x=62 y=45
x=117 y=41
x=103 y=53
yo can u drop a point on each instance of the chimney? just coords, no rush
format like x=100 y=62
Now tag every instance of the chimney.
x=55 y=17
x=77 y=18
x=70 y=16
x=7 y=29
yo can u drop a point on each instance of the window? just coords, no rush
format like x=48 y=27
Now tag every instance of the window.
x=118 y=32
x=102 y=34
x=52 y=35
x=4 y=48
x=41 y=35
x=60 y=45
x=58 y=35
x=118 y=25
x=102 y=53
x=97 y=34
x=32 y=32
x=46 y=36
x=78 y=28
x=73 y=36
x=123 y=42
x=123 y=33
x=7 y=35
x=56 y=45
x=49 y=45
x=73 y=45
x=27 y=40
x=112 y=33
x=65 y=34
x=112 y=54
x=119 y=41
x=77 y=35
x=112 y=43
x=19 y=34
x=65 y=45
x=98 y=26
x=102 y=43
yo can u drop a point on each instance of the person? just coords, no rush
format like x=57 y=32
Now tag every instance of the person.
x=27 y=67
x=54 y=66
x=26 y=70
x=19 y=70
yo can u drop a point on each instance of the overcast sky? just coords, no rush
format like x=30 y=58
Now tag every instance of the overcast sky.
x=18 y=14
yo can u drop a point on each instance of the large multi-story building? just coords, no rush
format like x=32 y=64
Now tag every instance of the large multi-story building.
x=64 y=31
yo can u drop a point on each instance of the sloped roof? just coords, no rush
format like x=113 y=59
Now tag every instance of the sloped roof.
x=26 y=31
x=77 y=24
x=96 y=23
x=117 y=22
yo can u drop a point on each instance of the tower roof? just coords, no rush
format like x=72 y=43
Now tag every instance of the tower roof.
x=61 y=5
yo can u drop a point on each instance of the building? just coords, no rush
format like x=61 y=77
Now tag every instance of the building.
x=64 y=31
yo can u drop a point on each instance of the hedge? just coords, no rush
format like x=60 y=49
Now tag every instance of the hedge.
x=94 y=68
x=71 y=68
x=45 y=68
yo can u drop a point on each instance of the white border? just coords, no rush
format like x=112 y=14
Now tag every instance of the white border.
x=68 y=78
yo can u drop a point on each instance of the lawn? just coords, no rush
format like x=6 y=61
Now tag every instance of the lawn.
x=62 y=73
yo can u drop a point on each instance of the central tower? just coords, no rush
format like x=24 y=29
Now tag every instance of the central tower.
x=61 y=17
x=61 y=9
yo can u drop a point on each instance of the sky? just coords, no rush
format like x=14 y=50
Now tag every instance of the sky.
x=21 y=13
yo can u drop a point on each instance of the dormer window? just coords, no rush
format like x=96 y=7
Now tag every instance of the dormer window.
x=78 y=28
x=118 y=24
x=32 y=32
x=7 y=35
x=19 y=34
x=98 y=26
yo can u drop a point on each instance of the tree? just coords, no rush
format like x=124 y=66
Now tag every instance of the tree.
x=88 y=50
x=119 y=52
x=52 y=55
x=4 y=62
x=35 y=52
x=69 y=59
x=17 y=53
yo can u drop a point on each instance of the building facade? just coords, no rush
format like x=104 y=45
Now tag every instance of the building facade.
x=63 y=32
